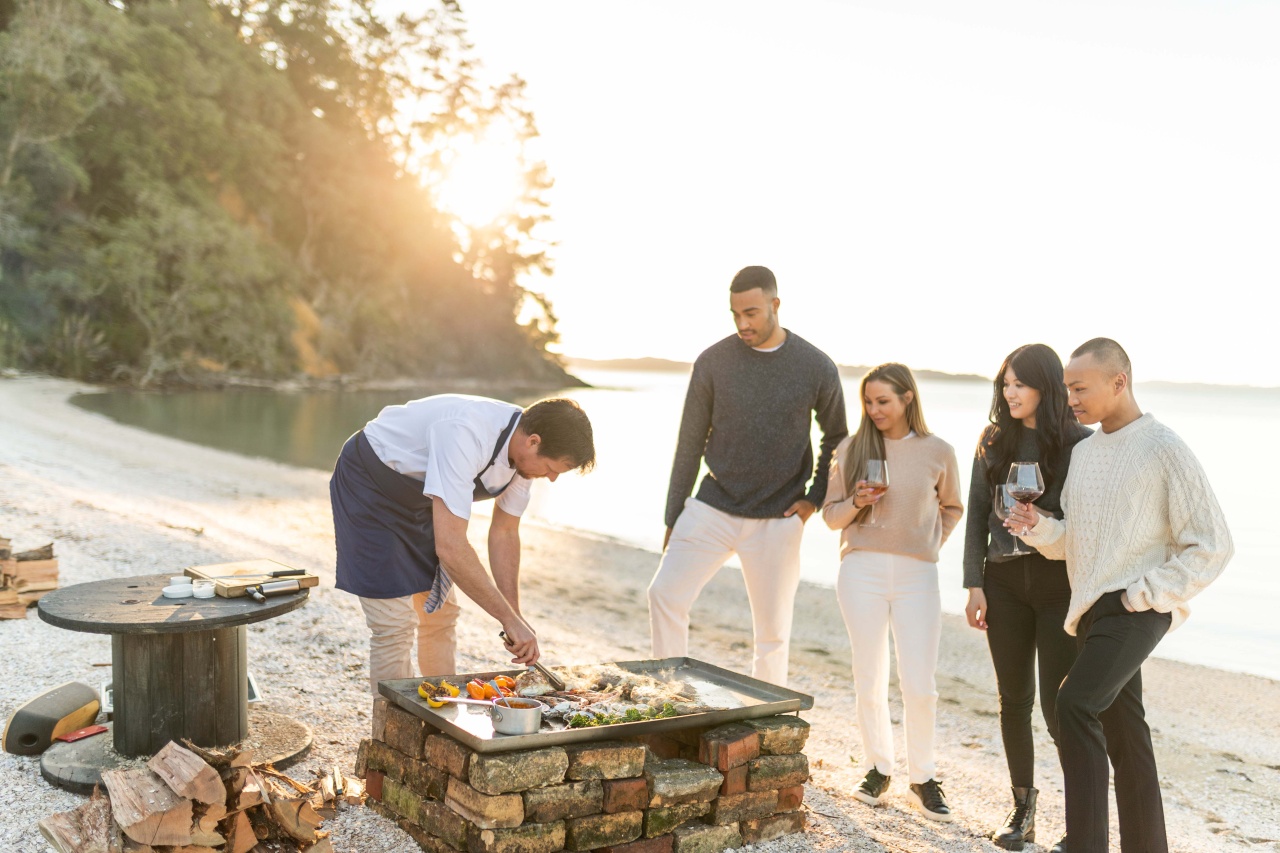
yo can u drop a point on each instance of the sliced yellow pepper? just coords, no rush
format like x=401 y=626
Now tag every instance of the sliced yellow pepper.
x=428 y=691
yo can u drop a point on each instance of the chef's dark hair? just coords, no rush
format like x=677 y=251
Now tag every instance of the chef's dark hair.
x=564 y=430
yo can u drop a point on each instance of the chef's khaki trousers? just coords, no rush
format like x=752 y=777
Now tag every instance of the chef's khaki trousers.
x=392 y=623
x=702 y=540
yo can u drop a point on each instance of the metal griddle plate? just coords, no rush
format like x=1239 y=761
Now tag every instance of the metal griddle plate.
x=743 y=698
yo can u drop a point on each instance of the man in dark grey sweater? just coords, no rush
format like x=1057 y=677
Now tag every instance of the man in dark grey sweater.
x=749 y=414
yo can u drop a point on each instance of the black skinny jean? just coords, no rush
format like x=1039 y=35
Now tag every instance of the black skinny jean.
x=1027 y=600
x=1100 y=716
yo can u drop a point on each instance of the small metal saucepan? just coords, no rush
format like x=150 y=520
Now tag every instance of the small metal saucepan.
x=513 y=715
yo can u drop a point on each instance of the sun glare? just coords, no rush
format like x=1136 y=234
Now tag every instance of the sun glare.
x=482 y=180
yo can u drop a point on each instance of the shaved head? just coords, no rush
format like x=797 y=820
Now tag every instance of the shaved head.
x=1107 y=355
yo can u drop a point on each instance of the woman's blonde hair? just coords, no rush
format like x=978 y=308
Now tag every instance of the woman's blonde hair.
x=867 y=442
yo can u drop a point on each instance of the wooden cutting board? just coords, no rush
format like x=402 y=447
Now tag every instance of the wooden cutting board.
x=232 y=579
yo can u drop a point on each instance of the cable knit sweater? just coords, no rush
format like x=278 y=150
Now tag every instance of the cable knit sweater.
x=916 y=514
x=1140 y=517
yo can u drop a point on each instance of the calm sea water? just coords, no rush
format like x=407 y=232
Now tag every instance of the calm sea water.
x=636 y=415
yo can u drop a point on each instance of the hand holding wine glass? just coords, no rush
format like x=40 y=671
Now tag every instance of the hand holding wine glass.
x=1025 y=484
x=1004 y=503
x=877 y=482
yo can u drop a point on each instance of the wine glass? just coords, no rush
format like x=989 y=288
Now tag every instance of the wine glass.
x=1025 y=483
x=1002 y=502
x=877 y=480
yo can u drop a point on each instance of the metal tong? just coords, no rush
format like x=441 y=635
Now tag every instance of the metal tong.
x=554 y=680
x=259 y=592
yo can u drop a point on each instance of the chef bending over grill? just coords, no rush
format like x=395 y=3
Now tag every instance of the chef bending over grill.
x=402 y=491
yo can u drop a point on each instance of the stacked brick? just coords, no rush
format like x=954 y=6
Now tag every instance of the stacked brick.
x=695 y=790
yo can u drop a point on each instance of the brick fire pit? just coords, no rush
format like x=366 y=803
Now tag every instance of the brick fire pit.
x=695 y=789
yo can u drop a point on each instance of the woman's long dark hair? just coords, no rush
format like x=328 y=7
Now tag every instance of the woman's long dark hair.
x=1038 y=367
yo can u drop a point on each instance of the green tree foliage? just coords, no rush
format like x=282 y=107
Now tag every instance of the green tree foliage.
x=196 y=186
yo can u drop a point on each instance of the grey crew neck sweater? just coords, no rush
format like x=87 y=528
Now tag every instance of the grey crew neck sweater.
x=749 y=414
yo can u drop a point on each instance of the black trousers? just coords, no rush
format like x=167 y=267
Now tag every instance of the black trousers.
x=1027 y=601
x=1100 y=716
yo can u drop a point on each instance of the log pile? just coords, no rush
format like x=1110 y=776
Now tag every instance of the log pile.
x=24 y=578
x=193 y=800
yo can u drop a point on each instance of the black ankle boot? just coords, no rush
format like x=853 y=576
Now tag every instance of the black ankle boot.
x=1020 y=826
x=1060 y=847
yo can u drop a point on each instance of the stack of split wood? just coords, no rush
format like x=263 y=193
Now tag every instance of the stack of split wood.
x=24 y=577
x=193 y=800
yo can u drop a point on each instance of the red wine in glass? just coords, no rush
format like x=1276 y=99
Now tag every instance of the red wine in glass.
x=1003 y=502
x=1025 y=483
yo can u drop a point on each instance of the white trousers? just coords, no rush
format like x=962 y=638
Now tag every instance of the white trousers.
x=702 y=540
x=392 y=623
x=878 y=592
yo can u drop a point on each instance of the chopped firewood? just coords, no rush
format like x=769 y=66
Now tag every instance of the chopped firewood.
x=239 y=832
x=325 y=800
x=268 y=770
x=146 y=808
x=208 y=817
x=11 y=606
x=180 y=803
x=293 y=813
x=221 y=759
x=35 y=575
x=244 y=789
x=44 y=552
x=188 y=774
x=353 y=794
x=206 y=838
x=87 y=829
x=27 y=598
x=328 y=811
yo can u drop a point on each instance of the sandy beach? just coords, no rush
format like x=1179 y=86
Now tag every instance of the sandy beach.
x=116 y=501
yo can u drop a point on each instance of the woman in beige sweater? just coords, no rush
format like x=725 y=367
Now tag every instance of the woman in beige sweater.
x=889 y=575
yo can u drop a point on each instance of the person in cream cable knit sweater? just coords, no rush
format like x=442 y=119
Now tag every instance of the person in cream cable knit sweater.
x=1142 y=534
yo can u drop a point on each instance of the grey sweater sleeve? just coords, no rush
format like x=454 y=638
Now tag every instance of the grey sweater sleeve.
x=976 y=531
x=695 y=427
x=835 y=426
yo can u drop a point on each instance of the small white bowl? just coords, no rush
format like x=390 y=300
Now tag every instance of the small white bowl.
x=182 y=590
x=179 y=580
x=203 y=589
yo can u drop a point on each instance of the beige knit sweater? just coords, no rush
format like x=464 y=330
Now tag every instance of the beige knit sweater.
x=916 y=514
x=1140 y=516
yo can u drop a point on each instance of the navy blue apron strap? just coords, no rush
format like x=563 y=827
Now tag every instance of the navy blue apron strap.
x=401 y=488
x=481 y=491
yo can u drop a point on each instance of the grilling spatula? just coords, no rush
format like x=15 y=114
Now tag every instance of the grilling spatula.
x=554 y=680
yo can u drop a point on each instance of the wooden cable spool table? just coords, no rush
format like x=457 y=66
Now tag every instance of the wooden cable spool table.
x=178 y=670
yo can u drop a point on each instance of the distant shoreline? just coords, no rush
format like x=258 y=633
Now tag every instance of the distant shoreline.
x=663 y=365
x=856 y=371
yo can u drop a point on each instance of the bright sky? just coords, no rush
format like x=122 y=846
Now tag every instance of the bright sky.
x=933 y=182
